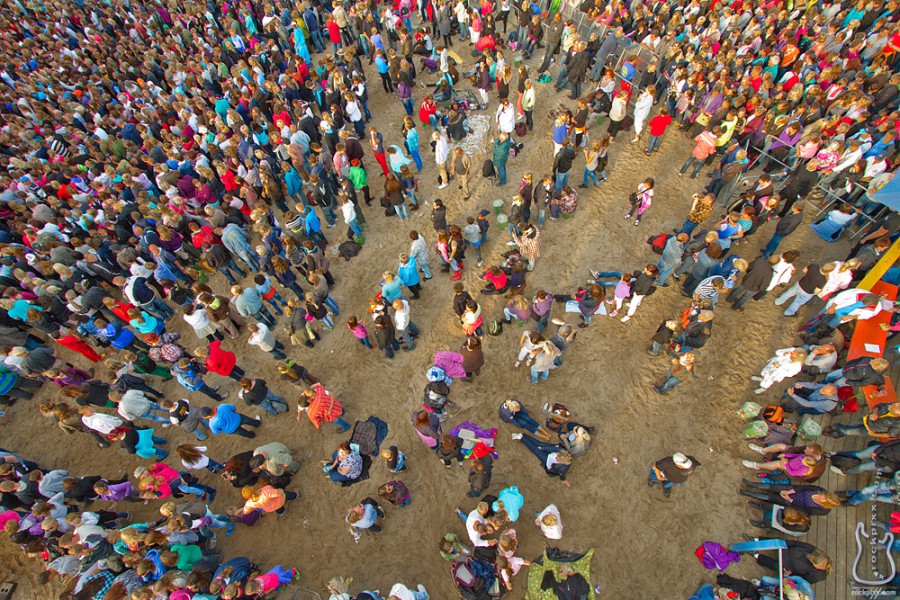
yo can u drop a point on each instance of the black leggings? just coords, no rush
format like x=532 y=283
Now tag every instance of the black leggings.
x=387 y=83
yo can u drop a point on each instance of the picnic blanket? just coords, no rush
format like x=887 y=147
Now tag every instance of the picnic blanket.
x=477 y=442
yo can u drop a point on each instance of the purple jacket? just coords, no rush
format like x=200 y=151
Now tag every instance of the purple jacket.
x=119 y=491
x=715 y=556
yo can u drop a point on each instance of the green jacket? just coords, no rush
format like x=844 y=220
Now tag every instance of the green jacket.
x=501 y=152
x=358 y=177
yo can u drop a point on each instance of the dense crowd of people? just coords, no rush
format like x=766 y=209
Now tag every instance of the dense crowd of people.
x=147 y=148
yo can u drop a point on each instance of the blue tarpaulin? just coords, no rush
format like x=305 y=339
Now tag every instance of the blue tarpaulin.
x=889 y=195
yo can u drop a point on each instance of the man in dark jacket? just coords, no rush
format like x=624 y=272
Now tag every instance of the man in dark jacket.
x=562 y=164
x=552 y=39
x=755 y=282
x=786 y=226
x=799 y=185
x=860 y=372
x=578 y=64
x=698 y=331
x=672 y=470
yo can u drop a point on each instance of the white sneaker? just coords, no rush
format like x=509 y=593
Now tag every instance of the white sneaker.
x=756 y=378
x=759 y=391
x=517 y=436
x=510 y=243
x=750 y=464
x=757 y=448
x=442 y=186
x=625 y=319
x=595 y=274
x=557 y=321
x=838 y=471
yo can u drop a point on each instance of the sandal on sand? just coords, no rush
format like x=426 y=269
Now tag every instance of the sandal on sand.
x=518 y=364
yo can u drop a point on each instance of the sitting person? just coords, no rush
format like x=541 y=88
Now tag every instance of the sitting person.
x=811 y=398
x=498 y=281
x=806 y=463
x=884 y=421
x=565 y=204
x=800 y=559
x=830 y=227
x=346 y=464
x=790 y=520
x=811 y=499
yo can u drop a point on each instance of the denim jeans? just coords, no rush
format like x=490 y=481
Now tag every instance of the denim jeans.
x=407 y=105
x=426 y=270
x=666 y=484
x=274 y=300
x=879 y=492
x=866 y=464
x=772 y=246
x=332 y=305
x=198 y=431
x=655 y=347
x=151 y=416
x=669 y=383
x=688 y=227
x=407 y=335
x=589 y=174
x=692 y=160
x=319 y=238
x=401 y=211
x=562 y=179
x=273 y=404
x=540 y=449
x=535 y=373
x=501 y=173
x=414 y=153
x=265 y=316
x=392 y=347
x=800 y=298
x=248 y=255
x=739 y=296
x=664 y=272
x=158 y=309
x=655 y=141
x=354 y=227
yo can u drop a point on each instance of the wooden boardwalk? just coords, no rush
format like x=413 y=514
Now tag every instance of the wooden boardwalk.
x=836 y=534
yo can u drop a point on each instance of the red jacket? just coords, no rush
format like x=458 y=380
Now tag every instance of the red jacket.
x=334 y=32
x=426 y=110
x=220 y=361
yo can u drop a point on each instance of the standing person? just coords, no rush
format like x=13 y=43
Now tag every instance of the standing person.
x=412 y=142
x=441 y=155
x=528 y=102
x=403 y=325
x=460 y=167
x=385 y=335
x=249 y=303
x=641 y=200
x=225 y=418
x=255 y=392
x=262 y=337
x=189 y=375
x=552 y=40
x=418 y=251
x=376 y=142
x=528 y=243
x=672 y=470
x=755 y=282
x=591 y=160
x=701 y=208
x=671 y=257
x=658 y=126
x=562 y=164
x=506 y=116
x=321 y=407
x=408 y=273
x=706 y=147
x=642 y=286
x=501 y=155
x=799 y=185
x=787 y=225
x=642 y=110
x=348 y=212
x=810 y=283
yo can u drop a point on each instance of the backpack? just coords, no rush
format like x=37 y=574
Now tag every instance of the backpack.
x=349 y=249
x=773 y=414
x=495 y=328
x=487 y=169
x=521 y=129
x=658 y=243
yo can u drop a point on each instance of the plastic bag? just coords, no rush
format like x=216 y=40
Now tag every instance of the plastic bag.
x=808 y=429
x=749 y=410
x=755 y=429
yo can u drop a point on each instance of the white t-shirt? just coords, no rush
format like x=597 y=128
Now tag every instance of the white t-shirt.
x=551 y=532
x=475 y=537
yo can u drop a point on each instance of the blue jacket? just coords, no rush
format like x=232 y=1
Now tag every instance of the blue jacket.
x=409 y=273
x=311 y=222
x=391 y=291
x=293 y=181
x=226 y=420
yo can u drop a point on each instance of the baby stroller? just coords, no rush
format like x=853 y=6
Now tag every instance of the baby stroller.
x=476 y=580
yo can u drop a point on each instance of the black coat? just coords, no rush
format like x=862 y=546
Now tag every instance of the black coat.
x=758 y=276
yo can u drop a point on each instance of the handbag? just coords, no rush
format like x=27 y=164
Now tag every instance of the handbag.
x=702 y=119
